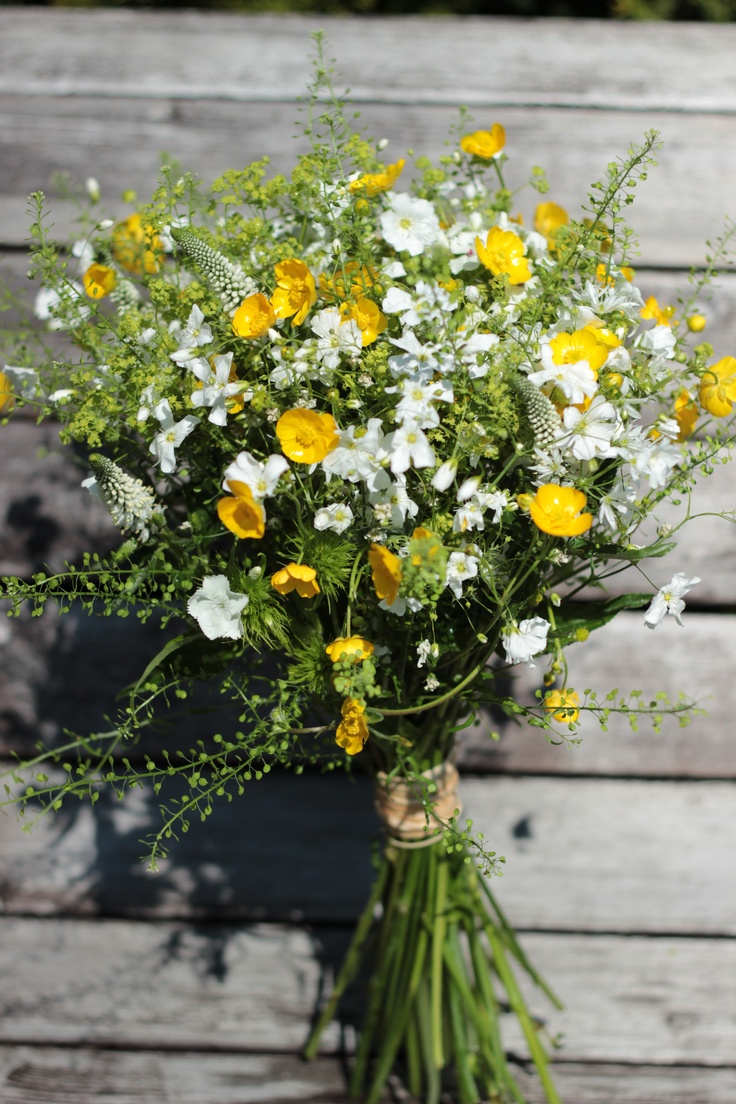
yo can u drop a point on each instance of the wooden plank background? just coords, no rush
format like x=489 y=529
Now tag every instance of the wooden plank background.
x=198 y=984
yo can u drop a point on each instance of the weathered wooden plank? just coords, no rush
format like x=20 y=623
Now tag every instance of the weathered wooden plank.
x=53 y=1075
x=697 y=659
x=119 y=142
x=640 y=838
x=126 y=985
x=478 y=61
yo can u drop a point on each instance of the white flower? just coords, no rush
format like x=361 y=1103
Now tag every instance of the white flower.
x=408 y=445
x=523 y=641
x=218 y=609
x=195 y=332
x=171 y=435
x=424 y=647
x=336 y=517
x=336 y=336
x=216 y=387
x=394 y=270
x=391 y=501
x=358 y=453
x=49 y=304
x=260 y=476
x=460 y=568
x=444 y=475
x=668 y=599
x=418 y=395
x=410 y=224
x=431 y=683
x=660 y=341
x=576 y=381
x=417 y=359
x=591 y=432
x=656 y=463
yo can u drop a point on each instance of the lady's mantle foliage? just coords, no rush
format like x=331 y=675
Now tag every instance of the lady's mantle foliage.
x=386 y=433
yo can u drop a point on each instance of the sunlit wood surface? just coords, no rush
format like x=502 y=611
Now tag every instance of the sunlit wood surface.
x=197 y=985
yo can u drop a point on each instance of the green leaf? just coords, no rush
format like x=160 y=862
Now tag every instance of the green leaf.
x=574 y=616
x=632 y=555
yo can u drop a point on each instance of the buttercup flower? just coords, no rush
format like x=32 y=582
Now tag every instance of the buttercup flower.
x=352 y=732
x=372 y=184
x=686 y=414
x=99 y=280
x=6 y=393
x=563 y=705
x=349 y=647
x=298 y=577
x=718 y=387
x=484 y=143
x=306 y=436
x=135 y=247
x=254 y=317
x=370 y=320
x=386 y=573
x=295 y=292
x=503 y=253
x=556 y=510
x=217 y=609
x=652 y=309
x=240 y=513
x=548 y=218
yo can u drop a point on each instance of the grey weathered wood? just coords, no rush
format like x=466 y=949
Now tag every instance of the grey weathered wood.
x=53 y=1075
x=119 y=141
x=657 y=856
x=480 y=61
x=119 y=983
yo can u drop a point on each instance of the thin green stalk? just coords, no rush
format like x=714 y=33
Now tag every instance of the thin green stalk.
x=439 y=928
x=491 y=1044
x=390 y=946
x=516 y=1000
x=424 y=1020
x=413 y=1058
x=351 y=963
x=508 y=936
x=467 y=1088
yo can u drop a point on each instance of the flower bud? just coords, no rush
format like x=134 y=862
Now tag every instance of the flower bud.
x=696 y=323
x=444 y=475
x=93 y=188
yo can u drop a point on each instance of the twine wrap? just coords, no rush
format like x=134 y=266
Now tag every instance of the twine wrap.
x=400 y=806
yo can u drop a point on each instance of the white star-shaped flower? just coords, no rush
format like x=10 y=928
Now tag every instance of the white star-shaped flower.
x=217 y=609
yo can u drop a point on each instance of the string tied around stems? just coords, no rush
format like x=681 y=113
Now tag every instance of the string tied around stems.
x=410 y=814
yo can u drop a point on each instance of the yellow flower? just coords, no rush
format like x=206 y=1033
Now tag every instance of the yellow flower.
x=99 y=280
x=661 y=315
x=556 y=510
x=352 y=732
x=585 y=344
x=350 y=280
x=241 y=514
x=295 y=292
x=349 y=647
x=548 y=218
x=562 y=704
x=135 y=247
x=604 y=277
x=6 y=393
x=254 y=317
x=371 y=321
x=298 y=577
x=696 y=323
x=686 y=414
x=484 y=143
x=504 y=253
x=718 y=387
x=306 y=436
x=372 y=184
x=386 y=573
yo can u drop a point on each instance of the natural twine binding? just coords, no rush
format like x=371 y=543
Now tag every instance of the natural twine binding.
x=400 y=806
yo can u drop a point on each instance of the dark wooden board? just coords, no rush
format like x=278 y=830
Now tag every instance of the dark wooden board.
x=658 y=856
x=164 y=986
x=53 y=1075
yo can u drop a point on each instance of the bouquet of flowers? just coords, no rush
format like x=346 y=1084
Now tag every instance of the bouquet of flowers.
x=373 y=446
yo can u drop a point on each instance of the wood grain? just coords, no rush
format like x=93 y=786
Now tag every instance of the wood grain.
x=53 y=1075
x=150 y=987
x=119 y=141
x=657 y=856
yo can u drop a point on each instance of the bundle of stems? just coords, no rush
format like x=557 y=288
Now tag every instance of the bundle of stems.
x=439 y=953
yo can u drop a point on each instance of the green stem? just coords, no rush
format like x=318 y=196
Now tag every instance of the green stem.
x=439 y=928
x=350 y=965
